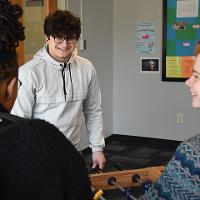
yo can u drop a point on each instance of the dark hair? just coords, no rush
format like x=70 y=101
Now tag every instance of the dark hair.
x=11 y=31
x=62 y=23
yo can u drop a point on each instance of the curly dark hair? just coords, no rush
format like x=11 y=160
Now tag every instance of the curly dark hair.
x=11 y=32
x=62 y=23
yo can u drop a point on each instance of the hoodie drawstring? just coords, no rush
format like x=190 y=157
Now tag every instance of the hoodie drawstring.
x=70 y=74
x=63 y=78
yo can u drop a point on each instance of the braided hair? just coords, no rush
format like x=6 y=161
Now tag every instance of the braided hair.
x=11 y=32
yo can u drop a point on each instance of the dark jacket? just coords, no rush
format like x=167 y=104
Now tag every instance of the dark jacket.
x=37 y=162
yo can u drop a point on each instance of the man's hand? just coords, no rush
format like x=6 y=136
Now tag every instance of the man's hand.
x=98 y=159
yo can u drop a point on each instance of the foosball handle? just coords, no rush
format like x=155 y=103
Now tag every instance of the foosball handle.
x=111 y=180
x=146 y=185
x=98 y=195
x=136 y=178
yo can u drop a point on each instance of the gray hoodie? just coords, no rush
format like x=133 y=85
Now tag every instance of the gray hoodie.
x=60 y=94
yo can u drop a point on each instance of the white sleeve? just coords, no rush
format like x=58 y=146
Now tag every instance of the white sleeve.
x=25 y=100
x=93 y=114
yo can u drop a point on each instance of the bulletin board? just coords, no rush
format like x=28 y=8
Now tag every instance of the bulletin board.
x=181 y=32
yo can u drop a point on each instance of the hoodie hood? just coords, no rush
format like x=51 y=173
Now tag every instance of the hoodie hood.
x=44 y=55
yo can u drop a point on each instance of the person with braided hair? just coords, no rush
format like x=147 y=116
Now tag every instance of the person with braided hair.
x=11 y=31
x=36 y=159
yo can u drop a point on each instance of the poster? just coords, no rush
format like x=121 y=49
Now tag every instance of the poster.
x=145 y=38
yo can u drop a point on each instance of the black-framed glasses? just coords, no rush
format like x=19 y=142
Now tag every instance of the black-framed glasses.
x=19 y=83
x=59 y=40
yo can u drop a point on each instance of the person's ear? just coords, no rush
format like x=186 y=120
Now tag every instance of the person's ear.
x=8 y=93
x=11 y=88
x=47 y=38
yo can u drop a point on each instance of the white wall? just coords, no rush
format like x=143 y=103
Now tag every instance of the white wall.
x=134 y=103
x=143 y=104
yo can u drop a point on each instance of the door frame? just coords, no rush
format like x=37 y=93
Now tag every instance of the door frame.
x=50 y=6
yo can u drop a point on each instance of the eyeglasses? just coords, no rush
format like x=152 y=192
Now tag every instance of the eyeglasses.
x=59 y=40
x=19 y=83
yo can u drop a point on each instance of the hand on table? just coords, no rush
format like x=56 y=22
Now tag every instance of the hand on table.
x=98 y=159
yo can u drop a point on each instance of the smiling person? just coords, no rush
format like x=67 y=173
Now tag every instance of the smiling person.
x=194 y=83
x=59 y=86
x=181 y=177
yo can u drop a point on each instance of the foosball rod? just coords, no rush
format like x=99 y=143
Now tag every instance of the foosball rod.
x=97 y=194
x=146 y=185
x=112 y=181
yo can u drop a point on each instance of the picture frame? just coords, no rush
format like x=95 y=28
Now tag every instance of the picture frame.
x=181 y=32
x=150 y=65
x=34 y=3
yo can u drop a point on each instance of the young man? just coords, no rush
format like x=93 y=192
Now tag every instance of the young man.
x=36 y=160
x=58 y=85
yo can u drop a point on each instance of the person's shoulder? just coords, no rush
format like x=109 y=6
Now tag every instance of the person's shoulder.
x=30 y=124
x=24 y=122
x=84 y=60
x=85 y=65
x=42 y=125
x=195 y=140
x=42 y=129
x=10 y=117
x=31 y=66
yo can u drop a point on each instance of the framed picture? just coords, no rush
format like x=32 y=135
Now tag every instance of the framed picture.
x=181 y=33
x=34 y=3
x=149 y=65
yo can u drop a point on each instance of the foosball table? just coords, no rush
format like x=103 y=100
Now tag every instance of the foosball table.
x=124 y=180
